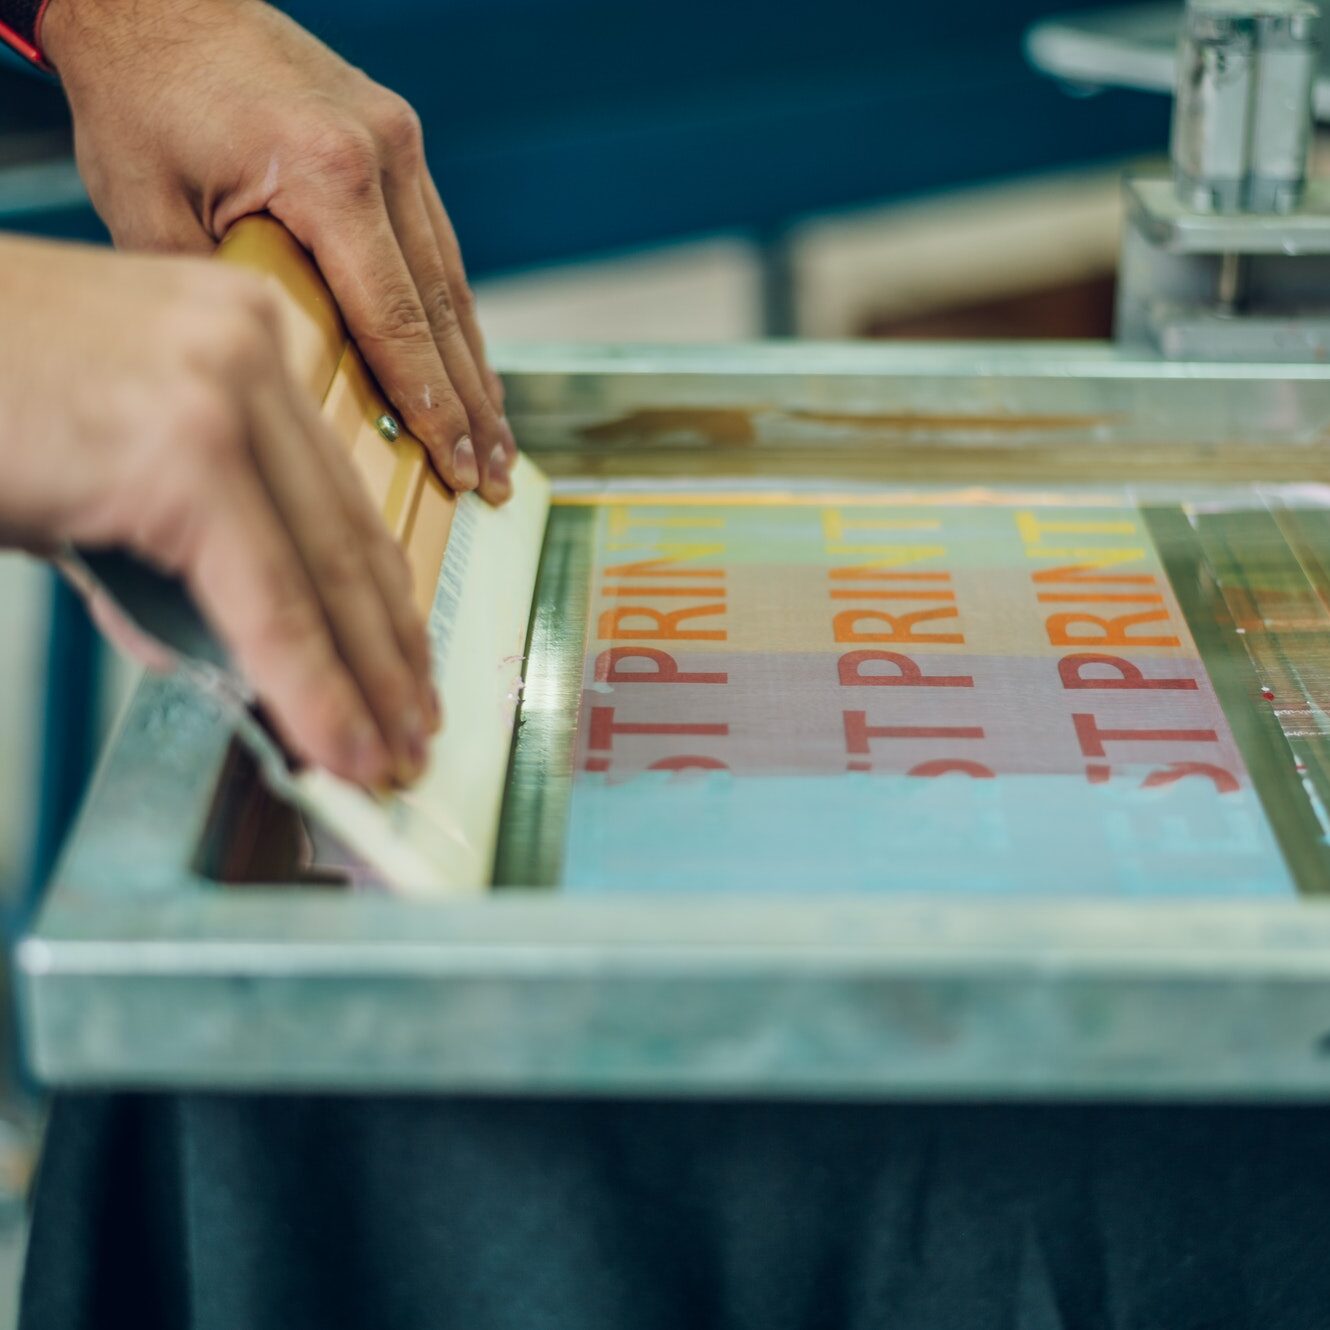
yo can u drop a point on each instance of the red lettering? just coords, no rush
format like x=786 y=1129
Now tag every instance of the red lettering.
x=858 y=732
x=1225 y=781
x=944 y=766
x=667 y=668
x=603 y=728
x=1071 y=672
x=851 y=672
x=1092 y=738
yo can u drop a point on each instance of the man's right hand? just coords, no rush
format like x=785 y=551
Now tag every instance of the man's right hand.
x=144 y=403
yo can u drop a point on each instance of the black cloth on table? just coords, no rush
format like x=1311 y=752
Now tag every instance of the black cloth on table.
x=218 y=1212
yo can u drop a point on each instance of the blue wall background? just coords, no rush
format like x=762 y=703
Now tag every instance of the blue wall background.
x=562 y=127
x=559 y=128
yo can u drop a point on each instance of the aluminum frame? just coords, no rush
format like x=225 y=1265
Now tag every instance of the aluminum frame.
x=141 y=973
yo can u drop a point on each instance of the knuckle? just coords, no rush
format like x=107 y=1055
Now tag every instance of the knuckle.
x=464 y=299
x=440 y=425
x=348 y=158
x=253 y=298
x=401 y=318
x=286 y=614
x=397 y=127
x=440 y=309
x=453 y=420
x=231 y=331
x=417 y=643
x=391 y=688
x=338 y=566
x=387 y=555
x=208 y=423
x=245 y=346
x=483 y=415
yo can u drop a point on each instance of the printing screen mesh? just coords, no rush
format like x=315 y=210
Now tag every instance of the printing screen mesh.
x=1088 y=691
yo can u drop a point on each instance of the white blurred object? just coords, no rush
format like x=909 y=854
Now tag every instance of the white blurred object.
x=957 y=248
x=705 y=291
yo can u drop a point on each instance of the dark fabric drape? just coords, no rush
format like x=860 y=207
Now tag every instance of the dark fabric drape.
x=265 y=1213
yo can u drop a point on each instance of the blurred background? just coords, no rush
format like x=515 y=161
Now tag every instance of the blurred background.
x=706 y=170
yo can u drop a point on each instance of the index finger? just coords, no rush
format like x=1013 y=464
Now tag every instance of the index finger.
x=362 y=262
x=248 y=579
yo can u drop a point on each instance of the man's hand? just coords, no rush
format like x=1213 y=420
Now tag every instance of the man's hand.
x=145 y=404
x=190 y=114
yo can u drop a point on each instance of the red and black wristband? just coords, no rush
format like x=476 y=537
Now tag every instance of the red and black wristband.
x=21 y=28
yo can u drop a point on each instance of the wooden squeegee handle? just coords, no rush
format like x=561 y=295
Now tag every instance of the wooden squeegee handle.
x=314 y=338
x=325 y=363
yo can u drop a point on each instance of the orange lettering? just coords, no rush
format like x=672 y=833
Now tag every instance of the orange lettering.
x=666 y=628
x=899 y=627
x=1084 y=572
x=1114 y=630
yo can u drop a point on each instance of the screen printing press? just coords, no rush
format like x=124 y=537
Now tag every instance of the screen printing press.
x=823 y=720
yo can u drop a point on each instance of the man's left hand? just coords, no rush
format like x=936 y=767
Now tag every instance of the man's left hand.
x=190 y=114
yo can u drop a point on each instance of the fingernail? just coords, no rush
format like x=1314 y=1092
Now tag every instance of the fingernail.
x=465 y=470
x=509 y=438
x=367 y=755
x=498 y=482
x=417 y=742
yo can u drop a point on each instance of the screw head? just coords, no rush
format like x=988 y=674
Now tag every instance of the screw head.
x=388 y=427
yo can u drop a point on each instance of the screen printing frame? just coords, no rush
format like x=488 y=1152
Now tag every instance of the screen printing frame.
x=140 y=972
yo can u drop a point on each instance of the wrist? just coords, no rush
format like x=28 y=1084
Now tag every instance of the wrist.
x=107 y=29
x=53 y=35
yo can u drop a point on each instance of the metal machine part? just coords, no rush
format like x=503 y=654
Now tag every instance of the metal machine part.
x=1242 y=106
x=1129 y=46
x=1231 y=260
x=1228 y=257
